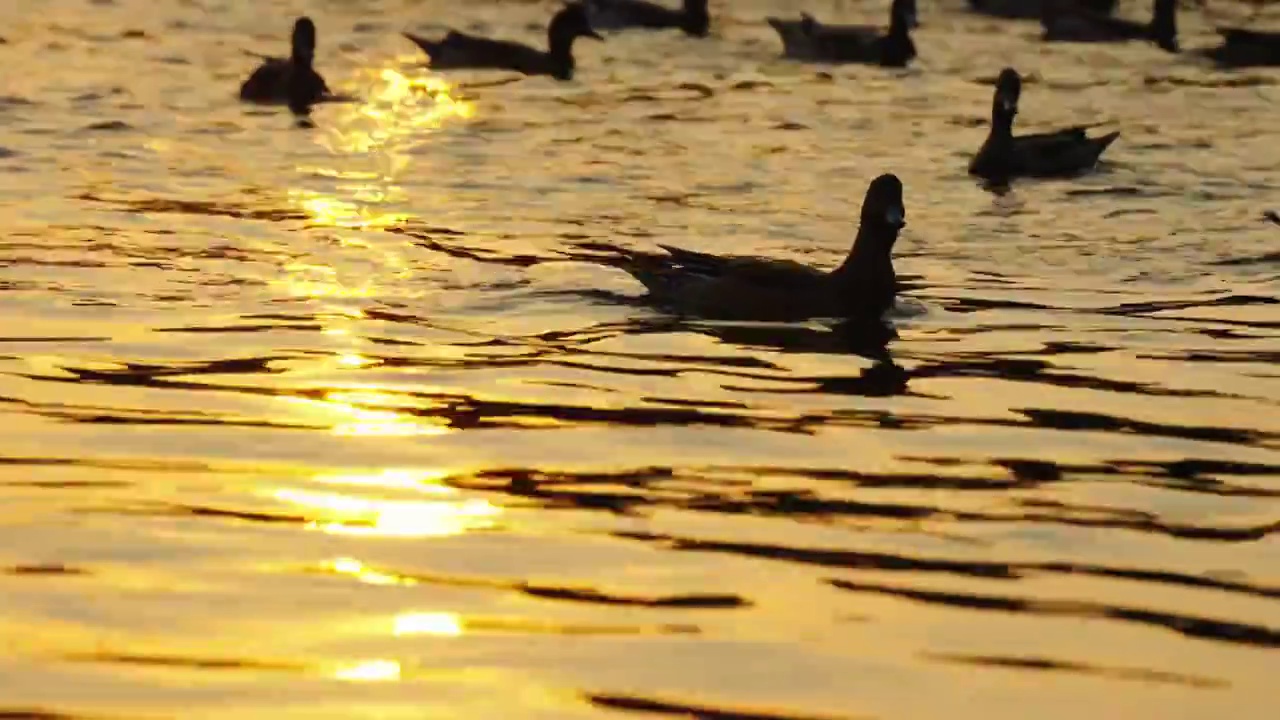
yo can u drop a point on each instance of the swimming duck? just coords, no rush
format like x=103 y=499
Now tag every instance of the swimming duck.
x=808 y=39
x=1246 y=48
x=1033 y=9
x=693 y=17
x=1064 y=21
x=1053 y=154
x=290 y=80
x=460 y=50
x=698 y=284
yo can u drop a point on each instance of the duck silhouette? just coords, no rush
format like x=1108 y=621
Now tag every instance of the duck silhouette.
x=1033 y=9
x=693 y=17
x=458 y=50
x=808 y=39
x=1241 y=47
x=1064 y=21
x=1052 y=154
x=292 y=80
x=697 y=284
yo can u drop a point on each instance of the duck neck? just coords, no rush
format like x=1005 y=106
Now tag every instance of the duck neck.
x=696 y=19
x=866 y=280
x=1164 y=24
x=560 y=50
x=1002 y=122
x=302 y=59
x=871 y=250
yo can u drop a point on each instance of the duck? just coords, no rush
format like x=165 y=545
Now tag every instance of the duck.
x=292 y=80
x=808 y=39
x=1065 y=22
x=1033 y=9
x=457 y=50
x=1005 y=156
x=744 y=288
x=1241 y=47
x=693 y=17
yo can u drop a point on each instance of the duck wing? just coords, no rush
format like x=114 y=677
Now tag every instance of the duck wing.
x=1082 y=25
x=731 y=287
x=462 y=50
x=1063 y=152
x=1245 y=35
x=278 y=80
x=620 y=14
x=266 y=83
x=1033 y=9
x=1246 y=48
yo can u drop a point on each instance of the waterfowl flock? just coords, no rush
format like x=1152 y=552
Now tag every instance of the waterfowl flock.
x=691 y=283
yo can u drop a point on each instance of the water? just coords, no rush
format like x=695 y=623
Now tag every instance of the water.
x=319 y=423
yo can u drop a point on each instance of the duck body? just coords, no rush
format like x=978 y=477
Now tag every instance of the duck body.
x=459 y=50
x=292 y=80
x=810 y=40
x=1033 y=9
x=687 y=282
x=693 y=17
x=1063 y=21
x=1004 y=156
x=1246 y=48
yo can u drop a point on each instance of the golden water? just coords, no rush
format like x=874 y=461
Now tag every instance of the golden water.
x=320 y=423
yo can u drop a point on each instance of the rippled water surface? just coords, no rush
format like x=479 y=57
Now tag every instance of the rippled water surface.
x=345 y=422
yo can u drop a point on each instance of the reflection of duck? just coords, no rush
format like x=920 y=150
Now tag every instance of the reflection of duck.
x=1064 y=21
x=749 y=288
x=1246 y=48
x=459 y=50
x=1033 y=9
x=693 y=16
x=1004 y=156
x=808 y=39
x=290 y=80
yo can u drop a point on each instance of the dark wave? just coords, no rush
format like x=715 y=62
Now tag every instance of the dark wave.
x=1189 y=625
x=635 y=704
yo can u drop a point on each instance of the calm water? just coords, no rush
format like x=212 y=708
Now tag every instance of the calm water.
x=320 y=423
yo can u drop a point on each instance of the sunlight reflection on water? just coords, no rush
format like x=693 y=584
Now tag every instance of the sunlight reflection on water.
x=302 y=421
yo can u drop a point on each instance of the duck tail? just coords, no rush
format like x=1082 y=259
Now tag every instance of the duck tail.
x=1104 y=141
x=430 y=47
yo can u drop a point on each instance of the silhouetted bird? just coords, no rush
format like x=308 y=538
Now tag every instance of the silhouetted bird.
x=693 y=16
x=1053 y=154
x=458 y=50
x=1246 y=48
x=1033 y=9
x=290 y=80
x=808 y=39
x=1064 y=21
x=698 y=284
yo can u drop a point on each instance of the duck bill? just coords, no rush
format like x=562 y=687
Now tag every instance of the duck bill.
x=594 y=35
x=895 y=217
x=1007 y=103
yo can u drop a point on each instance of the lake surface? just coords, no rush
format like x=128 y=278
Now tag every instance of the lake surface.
x=344 y=422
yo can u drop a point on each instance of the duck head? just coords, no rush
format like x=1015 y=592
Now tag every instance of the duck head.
x=304 y=41
x=572 y=22
x=911 y=13
x=1008 y=90
x=882 y=208
x=697 y=17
